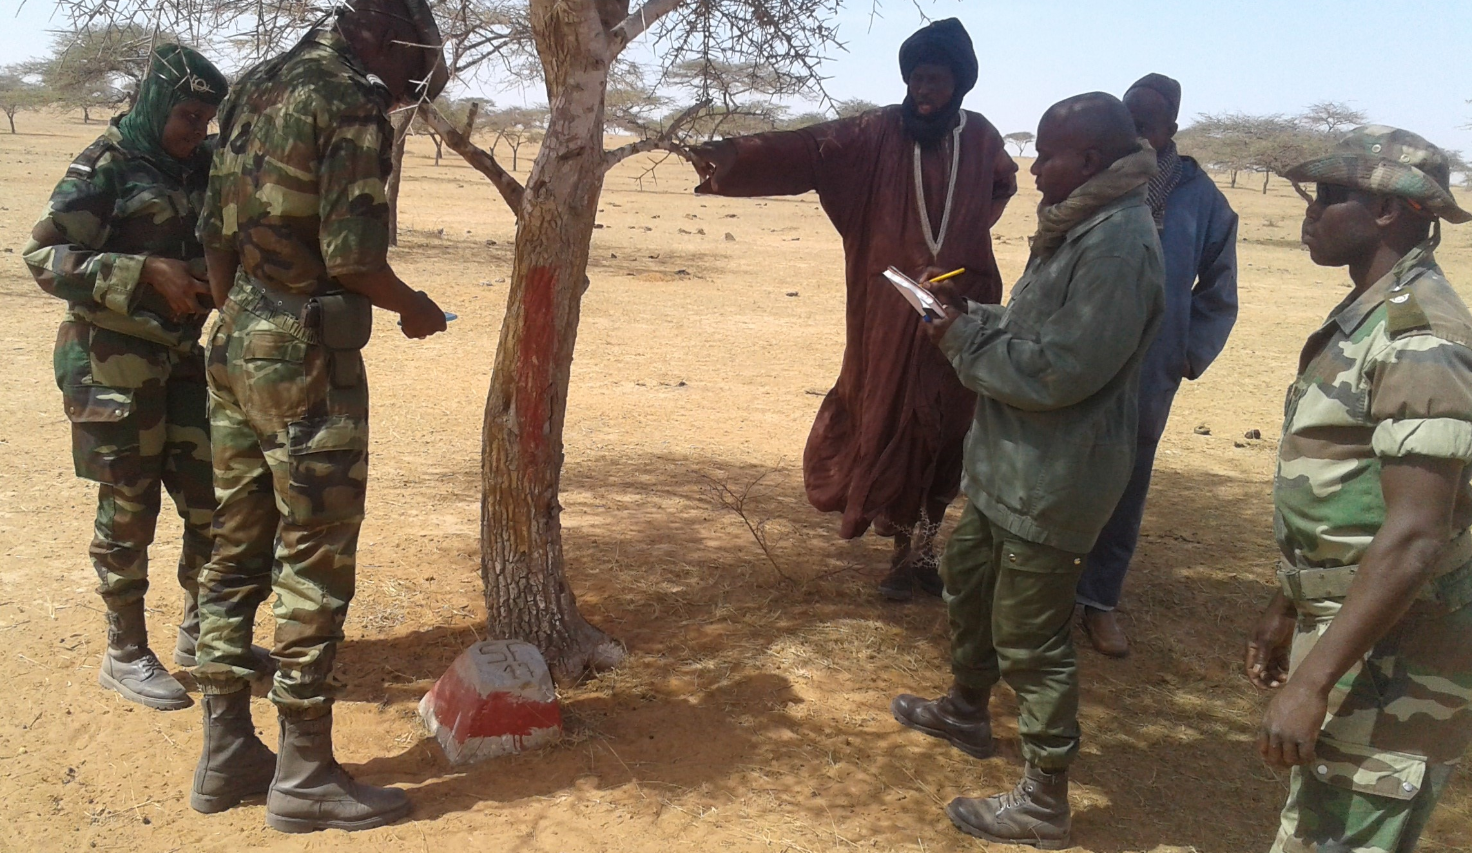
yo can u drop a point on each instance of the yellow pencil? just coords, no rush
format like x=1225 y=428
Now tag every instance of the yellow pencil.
x=951 y=274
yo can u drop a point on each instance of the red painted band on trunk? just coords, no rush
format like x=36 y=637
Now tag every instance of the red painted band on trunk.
x=534 y=362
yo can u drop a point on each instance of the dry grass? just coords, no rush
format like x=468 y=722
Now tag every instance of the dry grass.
x=752 y=712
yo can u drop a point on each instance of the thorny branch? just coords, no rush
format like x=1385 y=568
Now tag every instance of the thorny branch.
x=481 y=160
x=637 y=22
x=665 y=141
x=736 y=502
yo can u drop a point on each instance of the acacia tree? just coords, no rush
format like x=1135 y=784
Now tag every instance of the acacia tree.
x=1331 y=117
x=853 y=107
x=19 y=91
x=1266 y=144
x=576 y=45
x=516 y=126
x=99 y=66
x=1021 y=139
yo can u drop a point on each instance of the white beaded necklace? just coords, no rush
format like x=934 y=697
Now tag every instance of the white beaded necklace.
x=933 y=240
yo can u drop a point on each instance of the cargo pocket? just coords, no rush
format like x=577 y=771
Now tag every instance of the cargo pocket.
x=1034 y=598
x=327 y=468
x=104 y=433
x=272 y=373
x=1366 y=770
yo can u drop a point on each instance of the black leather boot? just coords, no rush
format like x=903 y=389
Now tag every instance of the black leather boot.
x=960 y=717
x=234 y=765
x=1035 y=812
x=311 y=791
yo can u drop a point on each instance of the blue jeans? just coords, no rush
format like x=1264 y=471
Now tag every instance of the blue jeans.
x=1103 y=579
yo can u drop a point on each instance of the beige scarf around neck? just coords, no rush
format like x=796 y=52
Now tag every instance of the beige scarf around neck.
x=1126 y=174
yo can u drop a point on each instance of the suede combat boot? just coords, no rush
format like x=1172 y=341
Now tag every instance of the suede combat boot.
x=132 y=669
x=1035 y=812
x=186 y=647
x=234 y=764
x=312 y=791
x=960 y=717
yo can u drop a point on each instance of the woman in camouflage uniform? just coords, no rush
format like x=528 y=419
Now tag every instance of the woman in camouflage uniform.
x=117 y=243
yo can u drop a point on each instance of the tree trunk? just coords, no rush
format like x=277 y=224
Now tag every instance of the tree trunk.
x=401 y=140
x=11 y=116
x=86 y=115
x=527 y=594
x=1265 y=176
x=514 y=148
x=1234 y=179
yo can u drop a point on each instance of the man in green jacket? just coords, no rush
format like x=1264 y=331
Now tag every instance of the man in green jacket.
x=1056 y=374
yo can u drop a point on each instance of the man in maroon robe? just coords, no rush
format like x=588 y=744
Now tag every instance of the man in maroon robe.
x=917 y=186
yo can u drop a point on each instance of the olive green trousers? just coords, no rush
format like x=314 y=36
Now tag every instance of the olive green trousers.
x=1011 y=613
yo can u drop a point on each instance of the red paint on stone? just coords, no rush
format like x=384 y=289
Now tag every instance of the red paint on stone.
x=534 y=363
x=489 y=716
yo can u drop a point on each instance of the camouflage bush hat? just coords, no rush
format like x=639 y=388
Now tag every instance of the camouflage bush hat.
x=1387 y=161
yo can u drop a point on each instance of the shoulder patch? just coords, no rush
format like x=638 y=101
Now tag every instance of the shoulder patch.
x=1403 y=314
x=86 y=162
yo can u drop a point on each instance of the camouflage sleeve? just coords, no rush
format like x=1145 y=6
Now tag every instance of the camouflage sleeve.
x=77 y=269
x=355 y=151
x=1421 y=399
x=211 y=226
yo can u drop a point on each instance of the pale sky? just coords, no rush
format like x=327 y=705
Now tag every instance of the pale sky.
x=1400 y=61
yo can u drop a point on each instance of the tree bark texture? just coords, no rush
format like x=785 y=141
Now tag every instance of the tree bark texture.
x=527 y=594
x=401 y=139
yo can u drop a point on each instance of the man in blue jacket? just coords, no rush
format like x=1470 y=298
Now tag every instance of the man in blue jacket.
x=1198 y=233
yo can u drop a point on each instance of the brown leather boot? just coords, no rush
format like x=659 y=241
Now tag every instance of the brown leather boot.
x=234 y=764
x=1104 y=633
x=312 y=791
x=1035 y=812
x=960 y=718
x=132 y=669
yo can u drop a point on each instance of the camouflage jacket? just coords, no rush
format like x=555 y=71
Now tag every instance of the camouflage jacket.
x=1388 y=375
x=114 y=209
x=298 y=186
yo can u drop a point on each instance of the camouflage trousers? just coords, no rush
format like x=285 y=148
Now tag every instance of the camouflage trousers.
x=137 y=411
x=1397 y=724
x=1010 y=604
x=291 y=472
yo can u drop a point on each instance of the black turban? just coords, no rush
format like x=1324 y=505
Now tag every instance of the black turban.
x=1163 y=86
x=942 y=43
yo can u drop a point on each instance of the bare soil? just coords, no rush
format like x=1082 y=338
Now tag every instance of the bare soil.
x=752 y=713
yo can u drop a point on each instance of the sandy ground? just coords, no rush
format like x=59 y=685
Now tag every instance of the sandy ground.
x=752 y=713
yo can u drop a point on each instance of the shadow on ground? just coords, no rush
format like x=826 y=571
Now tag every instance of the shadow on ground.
x=767 y=686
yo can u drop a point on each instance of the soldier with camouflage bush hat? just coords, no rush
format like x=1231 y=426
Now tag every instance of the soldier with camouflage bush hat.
x=1369 y=637
x=117 y=243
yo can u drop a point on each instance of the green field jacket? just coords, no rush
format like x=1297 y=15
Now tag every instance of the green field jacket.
x=1057 y=375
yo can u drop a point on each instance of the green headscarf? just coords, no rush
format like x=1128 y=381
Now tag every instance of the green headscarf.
x=177 y=74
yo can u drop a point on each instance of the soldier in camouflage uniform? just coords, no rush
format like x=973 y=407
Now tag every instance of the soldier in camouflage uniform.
x=1370 y=635
x=117 y=243
x=295 y=229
